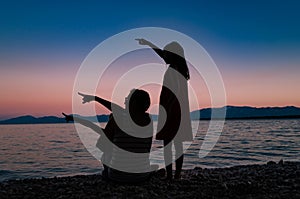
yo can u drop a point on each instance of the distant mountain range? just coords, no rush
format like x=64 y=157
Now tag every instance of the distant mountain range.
x=247 y=112
x=232 y=112
x=28 y=119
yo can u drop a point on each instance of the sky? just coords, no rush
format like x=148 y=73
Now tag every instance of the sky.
x=255 y=44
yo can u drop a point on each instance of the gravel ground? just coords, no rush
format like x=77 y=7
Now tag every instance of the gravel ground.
x=271 y=180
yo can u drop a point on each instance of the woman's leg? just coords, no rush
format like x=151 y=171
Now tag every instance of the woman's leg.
x=179 y=158
x=168 y=157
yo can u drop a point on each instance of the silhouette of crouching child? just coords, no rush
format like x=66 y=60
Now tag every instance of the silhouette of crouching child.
x=127 y=138
x=104 y=143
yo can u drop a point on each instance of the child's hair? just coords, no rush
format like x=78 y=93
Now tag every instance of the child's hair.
x=140 y=99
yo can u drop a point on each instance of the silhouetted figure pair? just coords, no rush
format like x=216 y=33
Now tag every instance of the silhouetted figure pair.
x=174 y=127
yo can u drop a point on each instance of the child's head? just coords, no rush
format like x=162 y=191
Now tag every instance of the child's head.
x=138 y=100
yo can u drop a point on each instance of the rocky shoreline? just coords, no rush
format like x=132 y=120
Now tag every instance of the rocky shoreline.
x=271 y=180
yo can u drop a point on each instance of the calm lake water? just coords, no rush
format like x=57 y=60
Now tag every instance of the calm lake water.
x=48 y=150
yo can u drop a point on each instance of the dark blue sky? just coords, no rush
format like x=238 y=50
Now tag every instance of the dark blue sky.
x=54 y=26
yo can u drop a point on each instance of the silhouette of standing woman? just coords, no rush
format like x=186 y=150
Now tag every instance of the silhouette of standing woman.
x=175 y=127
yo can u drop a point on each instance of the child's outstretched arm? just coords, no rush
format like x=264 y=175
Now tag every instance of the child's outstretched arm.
x=84 y=122
x=107 y=104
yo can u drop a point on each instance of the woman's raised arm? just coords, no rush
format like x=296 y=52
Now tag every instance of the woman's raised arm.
x=158 y=51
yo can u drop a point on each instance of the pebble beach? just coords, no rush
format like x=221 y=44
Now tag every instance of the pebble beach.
x=271 y=180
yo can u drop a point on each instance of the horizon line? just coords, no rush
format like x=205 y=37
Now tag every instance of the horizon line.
x=239 y=106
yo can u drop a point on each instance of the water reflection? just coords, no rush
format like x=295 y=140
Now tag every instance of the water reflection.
x=48 y=150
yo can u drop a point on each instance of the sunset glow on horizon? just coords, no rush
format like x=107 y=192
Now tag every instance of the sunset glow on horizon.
x=41 y=52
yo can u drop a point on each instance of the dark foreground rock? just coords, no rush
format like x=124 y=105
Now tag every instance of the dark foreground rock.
x=272 y=180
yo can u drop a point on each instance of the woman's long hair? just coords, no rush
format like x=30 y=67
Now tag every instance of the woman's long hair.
x=174 y=54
